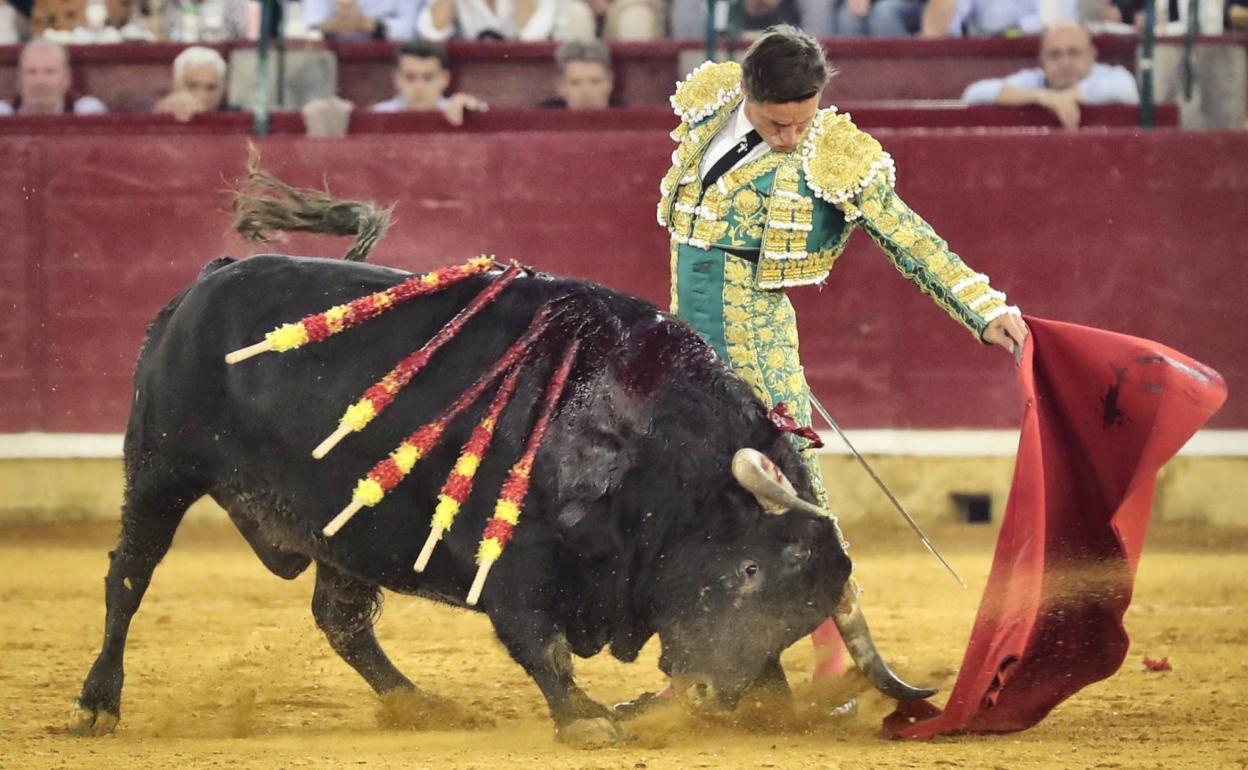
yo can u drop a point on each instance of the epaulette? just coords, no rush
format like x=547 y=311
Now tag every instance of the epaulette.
x=841 y=160
x=709 y=87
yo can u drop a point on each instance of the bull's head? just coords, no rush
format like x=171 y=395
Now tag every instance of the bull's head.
x=739 y=597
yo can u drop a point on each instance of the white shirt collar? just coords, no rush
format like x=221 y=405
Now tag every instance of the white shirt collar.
x=740 y=125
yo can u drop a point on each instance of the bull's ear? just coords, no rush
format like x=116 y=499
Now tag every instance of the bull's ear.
x=761 y=477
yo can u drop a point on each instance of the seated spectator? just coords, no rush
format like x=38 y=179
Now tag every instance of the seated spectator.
x=878 y=18
x=987 y=18
x=585 y=77
x=1068 y=76
x=198 y=85
x=616 y=20
x=67 y=15
x=525 y=20
x=362 y=19
x=188 y=21
x=1237 y=15
x=816 y=17
x=1170 y=16
x=421 y=78
x=14 y=22
x=43 y=84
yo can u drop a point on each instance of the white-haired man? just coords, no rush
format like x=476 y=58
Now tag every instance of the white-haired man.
x=43 y=84
x=198 y=84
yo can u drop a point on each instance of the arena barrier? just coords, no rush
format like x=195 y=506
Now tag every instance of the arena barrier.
x=1126 y=231
x=1118 y=229
x=868 y=115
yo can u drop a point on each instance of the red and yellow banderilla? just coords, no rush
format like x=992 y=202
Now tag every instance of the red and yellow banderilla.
x=387 y=474
x=320 y=326
x=501 y=526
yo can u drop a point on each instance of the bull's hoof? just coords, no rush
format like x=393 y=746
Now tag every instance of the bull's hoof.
x=596 y=733
x=90 y=723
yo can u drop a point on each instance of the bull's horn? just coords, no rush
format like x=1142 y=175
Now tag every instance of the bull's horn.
x=853 y=626
x=759 y=475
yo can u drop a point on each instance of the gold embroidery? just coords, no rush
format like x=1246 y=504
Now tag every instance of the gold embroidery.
x=763 y=351
x=742 y=175
x=709 y=230
x=687 y=156
x=747 y=202
x=705 y=90
x=839 y=159
x=673 y=262
x=887 y=223
x=742 y=352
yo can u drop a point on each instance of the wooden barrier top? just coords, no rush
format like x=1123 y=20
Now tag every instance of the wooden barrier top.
x=867 y=115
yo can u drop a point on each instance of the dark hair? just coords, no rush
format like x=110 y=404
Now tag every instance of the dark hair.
x=423 y=49
x=583 y=50
x=785 y=65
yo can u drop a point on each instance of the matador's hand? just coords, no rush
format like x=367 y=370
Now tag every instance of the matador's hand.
x=1007 y=331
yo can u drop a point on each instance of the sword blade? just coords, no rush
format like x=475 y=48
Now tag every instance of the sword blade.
x=914 y=525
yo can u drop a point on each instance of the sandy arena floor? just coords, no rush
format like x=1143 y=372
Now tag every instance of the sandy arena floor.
x=225 y=668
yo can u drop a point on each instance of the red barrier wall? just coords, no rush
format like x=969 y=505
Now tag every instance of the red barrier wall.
x=497 y=120
x=1137 y=233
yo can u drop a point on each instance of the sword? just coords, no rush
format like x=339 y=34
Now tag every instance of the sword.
x=893 y=498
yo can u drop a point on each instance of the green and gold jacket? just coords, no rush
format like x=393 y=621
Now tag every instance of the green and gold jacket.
x=798 y=209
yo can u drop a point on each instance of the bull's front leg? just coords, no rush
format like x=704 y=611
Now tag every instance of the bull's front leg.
x=529 y=633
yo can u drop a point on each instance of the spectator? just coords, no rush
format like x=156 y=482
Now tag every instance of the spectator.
x=66 y=15
x=986 y=18
x=526 y=20
x=43 y=84
x=816 y=17
x=1068 y=76
x=421 y=77
x=362 y=19
x=189 y=21
x=585 y=77
x=1237 y=15
x=878 y=18
x=617 y=20
x=198 y=85
x=14 y=22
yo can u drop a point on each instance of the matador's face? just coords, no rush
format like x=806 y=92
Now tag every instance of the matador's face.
x=782 y=124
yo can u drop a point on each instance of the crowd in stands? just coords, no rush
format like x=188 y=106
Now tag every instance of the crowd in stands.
x=191 y=21
x=1067 y=76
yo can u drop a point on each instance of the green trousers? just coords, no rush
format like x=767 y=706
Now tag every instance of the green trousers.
x=754 y=330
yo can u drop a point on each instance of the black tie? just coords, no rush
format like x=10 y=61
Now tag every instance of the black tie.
x=731 y=158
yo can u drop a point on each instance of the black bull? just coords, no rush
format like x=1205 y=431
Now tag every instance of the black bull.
x=638 y=522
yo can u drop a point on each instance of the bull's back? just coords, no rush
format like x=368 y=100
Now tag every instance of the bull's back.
x=249 y=428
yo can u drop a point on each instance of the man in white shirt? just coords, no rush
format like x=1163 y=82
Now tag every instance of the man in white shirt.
x=524 y=20
x=421 y=77
x=362 y=19
x=43 y=84
x=980 y=18
x=1068 y=76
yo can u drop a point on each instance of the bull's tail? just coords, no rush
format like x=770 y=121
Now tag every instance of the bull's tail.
x=264 y=204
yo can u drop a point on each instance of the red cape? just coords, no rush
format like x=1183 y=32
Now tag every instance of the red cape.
x=1102 y=413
